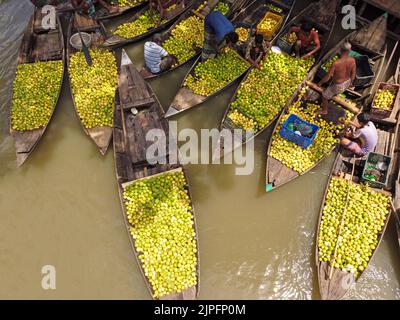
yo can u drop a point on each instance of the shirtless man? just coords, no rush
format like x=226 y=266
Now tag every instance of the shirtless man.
x=342 y=72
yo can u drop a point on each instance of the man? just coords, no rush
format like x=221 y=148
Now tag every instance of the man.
x=257 y=48
x=364 y=139
x=342 y=72
x=161 y=5
x=156 y=57
x=308 y=43
x=88 y=6
x=218 y=33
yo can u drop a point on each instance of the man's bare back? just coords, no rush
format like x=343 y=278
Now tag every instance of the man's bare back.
x=343 y=69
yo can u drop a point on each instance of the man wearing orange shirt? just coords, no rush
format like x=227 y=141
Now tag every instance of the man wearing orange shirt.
x=308 y=43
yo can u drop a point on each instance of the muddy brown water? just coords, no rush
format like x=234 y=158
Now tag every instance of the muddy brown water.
x=62 y=208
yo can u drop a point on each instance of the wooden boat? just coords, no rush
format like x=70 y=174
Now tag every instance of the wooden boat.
x=103 y=15
x=336 y=286
x=85 y=23
x=396 y=201
x=100 y=135
x=37 y=45
x=114 y=40
x=167 y=34
x=277 y=174
x=131 y=163
x=250 y=16
x=322 y=15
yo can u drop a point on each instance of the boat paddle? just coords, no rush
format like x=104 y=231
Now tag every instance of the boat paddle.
x=84 y=47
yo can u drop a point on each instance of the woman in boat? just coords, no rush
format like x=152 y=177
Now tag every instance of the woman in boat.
x=342 y=73
x=365 y=137
x=218 y=34
x=156 y=57
x=308 y=43
x=88 y=6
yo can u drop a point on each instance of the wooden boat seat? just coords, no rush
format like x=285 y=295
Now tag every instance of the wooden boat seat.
x=47 y=46
x=138 y=103
x=145 y=73
x=133 y=90
x=136 y=129
x=85 y=23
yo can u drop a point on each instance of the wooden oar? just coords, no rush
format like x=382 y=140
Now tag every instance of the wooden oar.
x=84 y=47
x=342 y=222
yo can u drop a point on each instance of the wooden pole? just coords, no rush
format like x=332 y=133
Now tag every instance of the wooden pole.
x=339 y=101
x=198 y=14
x=342 y=222
x=391 y=57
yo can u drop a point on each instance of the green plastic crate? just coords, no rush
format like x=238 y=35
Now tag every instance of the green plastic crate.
x=372 y=160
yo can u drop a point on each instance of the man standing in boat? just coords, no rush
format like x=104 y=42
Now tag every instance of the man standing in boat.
x=308 y=43
x=156 y=57
x=342 y=73
x=218 y=34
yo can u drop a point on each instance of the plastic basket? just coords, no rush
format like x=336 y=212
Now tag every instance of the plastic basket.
x=269 y=34
x=284 y=45
x=288 y=134
x=322 y=73
x=364 y=74
x=385 y=113
x=372 y=160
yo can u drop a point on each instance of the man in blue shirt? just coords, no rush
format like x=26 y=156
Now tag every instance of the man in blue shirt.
x=218 y=33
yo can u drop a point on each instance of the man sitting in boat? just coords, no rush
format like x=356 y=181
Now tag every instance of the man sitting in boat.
x=365 y=137
x=161 y=5
x=308 y=43
x=218 y=34
x=257 y=48
x=343 y=74
x=156 y=57
x=88 y=6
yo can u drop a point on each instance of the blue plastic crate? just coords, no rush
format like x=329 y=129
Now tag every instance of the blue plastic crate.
x=288 y=134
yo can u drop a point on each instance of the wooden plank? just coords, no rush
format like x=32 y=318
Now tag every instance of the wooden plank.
x=138 y=103
x=137 y=86
x=26 y=140
x=124 y=185
x=119 y=144
x=380 y=144
x=278 y=173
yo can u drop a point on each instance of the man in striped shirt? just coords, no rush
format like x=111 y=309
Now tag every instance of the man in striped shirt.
x=156 y=57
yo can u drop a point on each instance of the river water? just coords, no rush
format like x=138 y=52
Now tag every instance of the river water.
x=62 y=209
